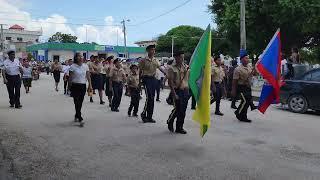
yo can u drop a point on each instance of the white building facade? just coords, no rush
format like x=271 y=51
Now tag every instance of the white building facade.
x=16 y=37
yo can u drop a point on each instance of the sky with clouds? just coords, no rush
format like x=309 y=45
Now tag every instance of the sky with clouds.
x=99 y=21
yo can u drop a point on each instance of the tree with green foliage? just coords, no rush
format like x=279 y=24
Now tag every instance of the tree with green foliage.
x=186 y=39
x=63 y=38
x=299 y=21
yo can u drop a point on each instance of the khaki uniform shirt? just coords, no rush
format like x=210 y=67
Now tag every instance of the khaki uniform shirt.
x=243 y=75
x=133 y=80
x=96 y=68
x=217 y=74
x=117 y=75
x=149 y=66
x=179 y=76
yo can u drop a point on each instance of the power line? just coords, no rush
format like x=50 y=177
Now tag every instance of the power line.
x=163 y=14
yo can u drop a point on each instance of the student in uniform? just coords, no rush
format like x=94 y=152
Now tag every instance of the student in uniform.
x=96 y=77
x=242 y=84
x=178 y=75
x=133 y=84
x=56 y=68
x=12 y=70
x=117 y=79
x=107 y=68
x=66 y=69
x=27 y=75
x=216 y=84
x=78 y=76
x=148 y=67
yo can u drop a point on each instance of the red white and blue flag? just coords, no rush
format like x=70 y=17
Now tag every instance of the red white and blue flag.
x=269 y=66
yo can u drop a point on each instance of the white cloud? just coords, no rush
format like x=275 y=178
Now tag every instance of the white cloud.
x=11 y=14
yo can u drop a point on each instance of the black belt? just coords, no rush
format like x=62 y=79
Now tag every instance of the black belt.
x=217 y=82
x=145 y=76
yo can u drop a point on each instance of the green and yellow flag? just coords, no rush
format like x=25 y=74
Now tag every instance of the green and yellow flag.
x=200 y=79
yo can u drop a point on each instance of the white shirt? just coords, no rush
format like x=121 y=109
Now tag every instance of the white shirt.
x=12 y=67
x=79 y=73
x=27 y=72
x=66 y=69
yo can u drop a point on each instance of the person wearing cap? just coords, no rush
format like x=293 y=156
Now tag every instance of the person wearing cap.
x=107 y=68
x=148 y=67
x=216 y=84
x=178 y=75
x=133 y=85
x=12 y=70
x=242 y=84
x=117 y=79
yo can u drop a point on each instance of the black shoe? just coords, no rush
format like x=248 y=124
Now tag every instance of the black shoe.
x=181 y=131
x=144 y=120
x=11 y=105
x=234 y=107
x=129 y=114
x=170 y=126
x=158 y=100
x=115 y=110
x=245 y=120
x=135 y=115
x=254 y=108
x=102 y=102
x=65 y=92
x=193 y=108
x=18 y=106
x=91 y=100
x=219 y=113
x=151 y=121
x=76 y=119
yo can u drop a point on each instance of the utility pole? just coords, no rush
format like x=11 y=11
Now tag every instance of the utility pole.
x=172 y=46
x=117 y=37
x=243 y=44
x=1 y=38
x=125 y=36
x=86 y=33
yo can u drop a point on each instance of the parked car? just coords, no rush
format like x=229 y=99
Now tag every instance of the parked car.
x=302 y=93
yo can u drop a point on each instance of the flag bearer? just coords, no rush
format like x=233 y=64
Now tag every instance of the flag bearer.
x=117 y=79
x=133 y=85
x=12 y=70
x=242 y=84
x=216 y=83
x=178 y=75
x=148 y=67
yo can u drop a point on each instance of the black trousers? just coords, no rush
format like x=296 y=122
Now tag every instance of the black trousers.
x=150 y=84
x=117 y=94
x=246 y=99
x=135 y=98
x=193 y=102
x=217 y=96
x=66 y=83
x=78 y=92
x=13 y=87
x=180 y=107
x=158 y=87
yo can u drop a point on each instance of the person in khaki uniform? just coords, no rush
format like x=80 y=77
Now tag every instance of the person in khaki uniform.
x=217 y=76
x=178 y=75
x=148 y=67
x=107 y=68
x=117 y=79
x=133 y=85
x=242 y=83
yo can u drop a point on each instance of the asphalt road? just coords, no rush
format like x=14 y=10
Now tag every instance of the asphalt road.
x=41 y=142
